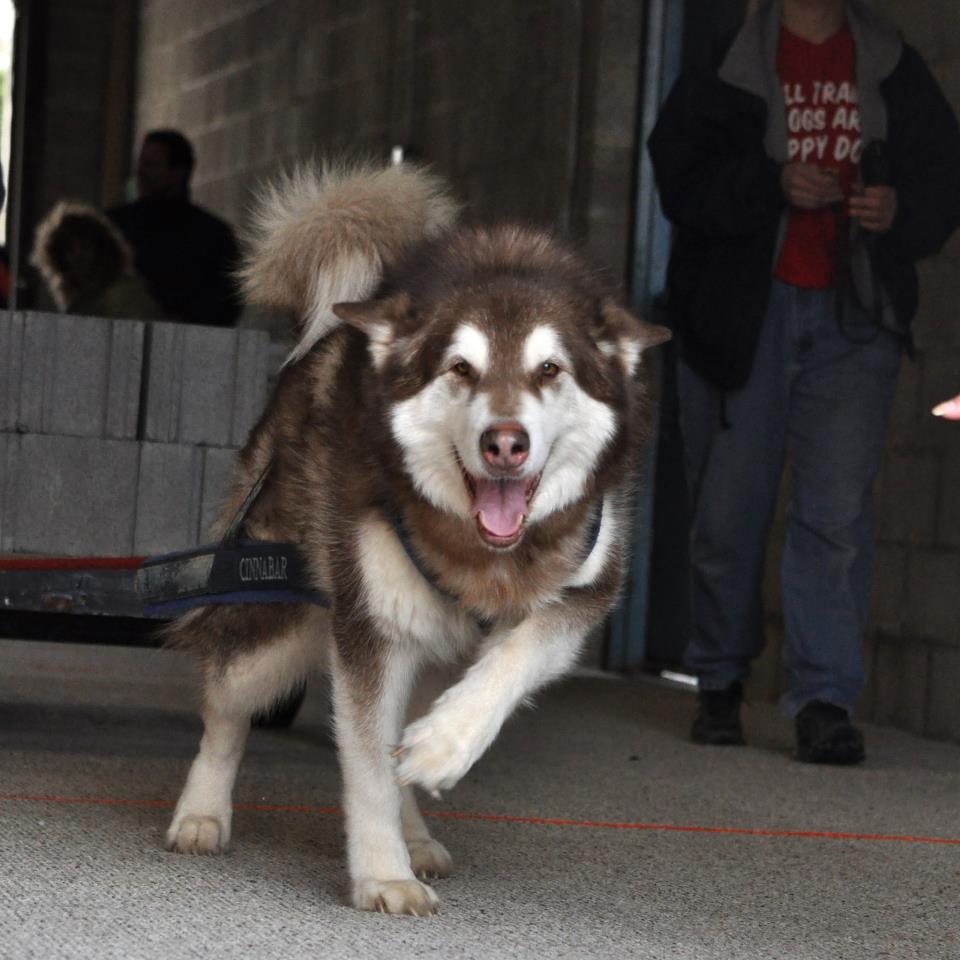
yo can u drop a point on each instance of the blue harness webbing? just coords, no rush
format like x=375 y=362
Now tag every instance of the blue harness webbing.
x=247 y=571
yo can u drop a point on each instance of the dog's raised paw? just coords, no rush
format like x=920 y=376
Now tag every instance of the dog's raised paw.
x=429 y=859
x=400 y=897
x=197 y=834
x=432 y=756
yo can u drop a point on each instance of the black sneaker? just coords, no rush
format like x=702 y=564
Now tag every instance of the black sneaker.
x=718 y=717
x=826 y=735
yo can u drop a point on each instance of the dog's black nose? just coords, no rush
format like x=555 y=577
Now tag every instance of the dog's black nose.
x=505 y=445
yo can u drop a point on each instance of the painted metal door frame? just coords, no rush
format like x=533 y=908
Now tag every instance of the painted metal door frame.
x=663 y=33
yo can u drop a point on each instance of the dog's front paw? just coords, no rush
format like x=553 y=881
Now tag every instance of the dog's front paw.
x=403 y=897
x=198 y=834
x=429 y=859
x=433 y=754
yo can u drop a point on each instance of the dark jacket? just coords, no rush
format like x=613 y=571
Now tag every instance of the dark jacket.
x=718 y=150
x=186 y=256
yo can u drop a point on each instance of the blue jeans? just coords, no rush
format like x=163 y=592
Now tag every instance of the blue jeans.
x=820 y=401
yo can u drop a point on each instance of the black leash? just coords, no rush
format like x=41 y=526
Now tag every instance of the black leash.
x=874 y=171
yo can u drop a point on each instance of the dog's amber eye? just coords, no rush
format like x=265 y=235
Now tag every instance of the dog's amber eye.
x=549 y=370
x=462 y=369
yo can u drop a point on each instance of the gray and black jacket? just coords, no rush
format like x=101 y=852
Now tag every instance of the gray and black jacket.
x=718 y=150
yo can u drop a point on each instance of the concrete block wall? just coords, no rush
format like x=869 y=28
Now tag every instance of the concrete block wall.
x=117 y=437
x=913 y=638
x=489 y=93
x=72 y=122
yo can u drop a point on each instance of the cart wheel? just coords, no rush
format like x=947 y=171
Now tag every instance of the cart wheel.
x=283 y=712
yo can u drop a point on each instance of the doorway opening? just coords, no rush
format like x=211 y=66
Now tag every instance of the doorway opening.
x=7 y=21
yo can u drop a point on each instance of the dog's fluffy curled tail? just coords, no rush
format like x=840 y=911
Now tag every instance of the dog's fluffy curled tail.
x=324 y=234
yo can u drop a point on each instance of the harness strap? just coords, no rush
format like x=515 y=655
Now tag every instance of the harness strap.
x=247 y=571
x=403 y=535
x=235 y=570
x=400 y=529
x=235 y=528
x=240 y=570
x=594 y=535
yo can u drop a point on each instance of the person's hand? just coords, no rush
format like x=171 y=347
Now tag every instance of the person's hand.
x=874 y=207
x=949 y=409
x=809 y=187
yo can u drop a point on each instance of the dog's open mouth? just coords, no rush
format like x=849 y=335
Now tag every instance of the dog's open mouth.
x=500 y=506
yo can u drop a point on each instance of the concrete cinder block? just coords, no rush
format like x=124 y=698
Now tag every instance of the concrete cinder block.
x=64 y=375
x=206 y=385
x=888 y=598
x=11 y=368
x=939 y=292
x=914 y=478
x=42 y=364
x=943 y=717
x=191 y=383
x=125 y=377
x=951 y=250
x=168 y=497
x=948 y=516
x=254 y=365
x=217 y=475
x=920 y=23
x=70 y=495
x=164 y=385
x=905 y=414
x=311 y=59
x=865 y=706
x=947 y=72
x=8 y=441
x=79 y=376
x=901 y=673
x=932 y=580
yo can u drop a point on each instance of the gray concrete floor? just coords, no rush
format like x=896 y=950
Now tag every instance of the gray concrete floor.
x=95 y=741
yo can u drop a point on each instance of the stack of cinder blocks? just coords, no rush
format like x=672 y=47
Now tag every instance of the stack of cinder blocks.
x=117 y=436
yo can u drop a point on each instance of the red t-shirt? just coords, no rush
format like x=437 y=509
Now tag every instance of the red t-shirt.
x=823 y=128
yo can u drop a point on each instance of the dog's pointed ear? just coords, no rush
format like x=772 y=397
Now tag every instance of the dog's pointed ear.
x=380 y=320
x=623 y=334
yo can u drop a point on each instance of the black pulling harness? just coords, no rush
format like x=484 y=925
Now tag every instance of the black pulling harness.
x=239 y=569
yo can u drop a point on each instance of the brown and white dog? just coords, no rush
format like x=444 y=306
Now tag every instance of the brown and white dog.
x=452 y=442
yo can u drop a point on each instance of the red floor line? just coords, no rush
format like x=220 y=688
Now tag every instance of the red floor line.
x=52 y=564
x=503 y=818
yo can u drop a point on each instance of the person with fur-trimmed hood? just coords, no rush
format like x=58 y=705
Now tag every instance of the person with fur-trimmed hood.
x=88 y=266
x=805 y=171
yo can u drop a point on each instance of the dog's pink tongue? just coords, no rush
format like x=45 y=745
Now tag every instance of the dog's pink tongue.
x=500 y=504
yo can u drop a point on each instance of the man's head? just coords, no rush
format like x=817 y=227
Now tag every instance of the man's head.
x=165 y=165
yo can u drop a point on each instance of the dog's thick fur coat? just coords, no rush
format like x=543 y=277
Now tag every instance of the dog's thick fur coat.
x=470 y=391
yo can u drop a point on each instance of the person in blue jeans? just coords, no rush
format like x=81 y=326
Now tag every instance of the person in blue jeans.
x=805 y=172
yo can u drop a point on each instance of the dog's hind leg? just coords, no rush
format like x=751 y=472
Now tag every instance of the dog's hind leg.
x=428 y=857
x=202 y=820
x=250 y=681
